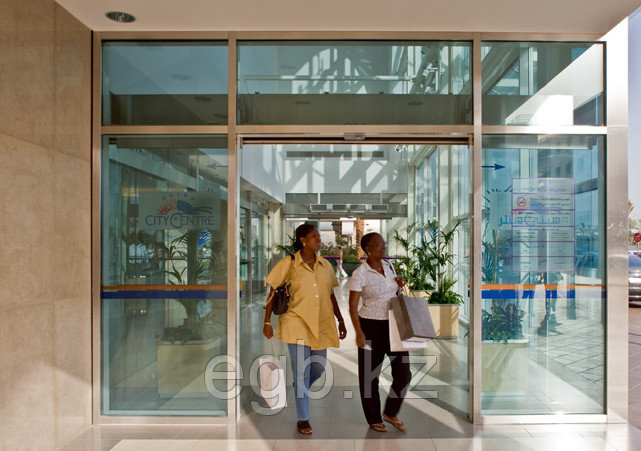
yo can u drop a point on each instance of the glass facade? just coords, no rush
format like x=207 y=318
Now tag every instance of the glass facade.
x=342 y=82
x=543 y=273
x=164 y=273
x=165 y=297
x=543 y=83
x=164 y=83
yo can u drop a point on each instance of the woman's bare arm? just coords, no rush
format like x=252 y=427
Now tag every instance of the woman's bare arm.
x=354 y=297
x=268 y=331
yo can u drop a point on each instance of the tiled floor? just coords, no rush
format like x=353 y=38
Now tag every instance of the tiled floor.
x=634 y=379
x=338 y=424
x=430 y=435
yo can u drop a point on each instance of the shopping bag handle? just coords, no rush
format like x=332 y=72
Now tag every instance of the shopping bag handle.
x=401 y=290
x=271 y=342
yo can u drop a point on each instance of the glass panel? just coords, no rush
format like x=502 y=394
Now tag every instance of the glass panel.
x=347 y=191
x=543 y=267
x=164 y=273
x=542 y=83
x=354 y=82
x=442 y=195
x=164 y=83
x=254 y=228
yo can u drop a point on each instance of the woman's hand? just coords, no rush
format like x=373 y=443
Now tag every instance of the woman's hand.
x=400 y=281
x=268 y=331
x=342 y=331
x=360 y=339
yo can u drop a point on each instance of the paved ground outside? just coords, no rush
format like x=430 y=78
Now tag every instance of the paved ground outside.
x=635 y=366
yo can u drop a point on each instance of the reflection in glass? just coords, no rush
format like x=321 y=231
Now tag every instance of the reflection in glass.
x=361 y=82
x=543 y=275
x=542 y=83
x=254 y=228
x=164 y=83
x=164 y=273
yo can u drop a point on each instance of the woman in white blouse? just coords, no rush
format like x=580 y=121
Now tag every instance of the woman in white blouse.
x=376 y=283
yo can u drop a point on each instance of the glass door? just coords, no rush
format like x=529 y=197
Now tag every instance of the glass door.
x=413 y=194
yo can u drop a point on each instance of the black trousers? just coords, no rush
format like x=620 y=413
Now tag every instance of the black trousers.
x=370 y=363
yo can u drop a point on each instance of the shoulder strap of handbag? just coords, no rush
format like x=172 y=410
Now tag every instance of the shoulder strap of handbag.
x=401 y=290
x=291 y=263
x=271 y=298
x=391 y=267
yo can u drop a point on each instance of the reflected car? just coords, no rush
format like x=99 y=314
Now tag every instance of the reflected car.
x=634 y=278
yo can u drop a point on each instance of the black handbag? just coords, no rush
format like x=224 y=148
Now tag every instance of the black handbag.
x=280 y=297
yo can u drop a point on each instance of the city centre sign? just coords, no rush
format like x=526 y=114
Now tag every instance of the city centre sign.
x=179 y=210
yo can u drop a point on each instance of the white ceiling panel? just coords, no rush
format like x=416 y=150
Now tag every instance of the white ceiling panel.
x=544 y=16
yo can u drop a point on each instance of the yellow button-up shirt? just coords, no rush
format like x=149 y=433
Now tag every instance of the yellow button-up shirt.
x=310 y=316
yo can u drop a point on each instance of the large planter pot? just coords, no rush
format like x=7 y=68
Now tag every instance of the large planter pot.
x=505 y=367
x=181 y=368
x=444 y=316
x=445 y=319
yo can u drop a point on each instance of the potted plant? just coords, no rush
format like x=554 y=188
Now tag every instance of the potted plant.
x=504 y=348
x=185 y=349
x=425 y=266
x=351 y=260
x=286 y=249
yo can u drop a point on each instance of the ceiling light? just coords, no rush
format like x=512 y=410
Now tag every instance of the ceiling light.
x=119 y=16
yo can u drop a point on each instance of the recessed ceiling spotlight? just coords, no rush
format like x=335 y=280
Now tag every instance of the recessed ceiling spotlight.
x=119 y=16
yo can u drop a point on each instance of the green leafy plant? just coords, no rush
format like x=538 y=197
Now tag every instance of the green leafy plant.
x=495 y=243
x=197 y=325
x=328 y=249
x=409 y=265
x=350 y=253
x=287 y=249
x=426 y=263
x=495 y=251
x=502 y=323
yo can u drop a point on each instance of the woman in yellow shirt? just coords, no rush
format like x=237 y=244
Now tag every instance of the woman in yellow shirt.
x=308 y=326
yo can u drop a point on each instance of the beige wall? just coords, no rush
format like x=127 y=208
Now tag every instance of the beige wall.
x=45 y=286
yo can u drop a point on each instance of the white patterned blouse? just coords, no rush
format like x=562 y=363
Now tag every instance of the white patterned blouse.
x=376 y=290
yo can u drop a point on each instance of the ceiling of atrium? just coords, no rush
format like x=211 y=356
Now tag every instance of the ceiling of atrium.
x=543 y=16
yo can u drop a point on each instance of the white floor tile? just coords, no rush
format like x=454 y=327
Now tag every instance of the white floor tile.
x=310 y=444
x=552 y=430
x=475 y=444
x=394 y=445
x=234 y=445
x=565 y=444
x=155 y=445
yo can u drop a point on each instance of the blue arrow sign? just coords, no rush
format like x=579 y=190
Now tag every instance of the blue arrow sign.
x=495 y=166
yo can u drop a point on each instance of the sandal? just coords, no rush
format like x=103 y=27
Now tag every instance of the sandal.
x=398 y=424
x=304 y=427
x=378 y=427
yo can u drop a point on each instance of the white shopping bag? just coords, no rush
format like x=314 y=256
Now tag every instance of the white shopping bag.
x=272 y=382
x=396 y=344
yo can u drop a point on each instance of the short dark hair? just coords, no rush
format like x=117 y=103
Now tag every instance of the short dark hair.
x=302 y=231
x=365 y=239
